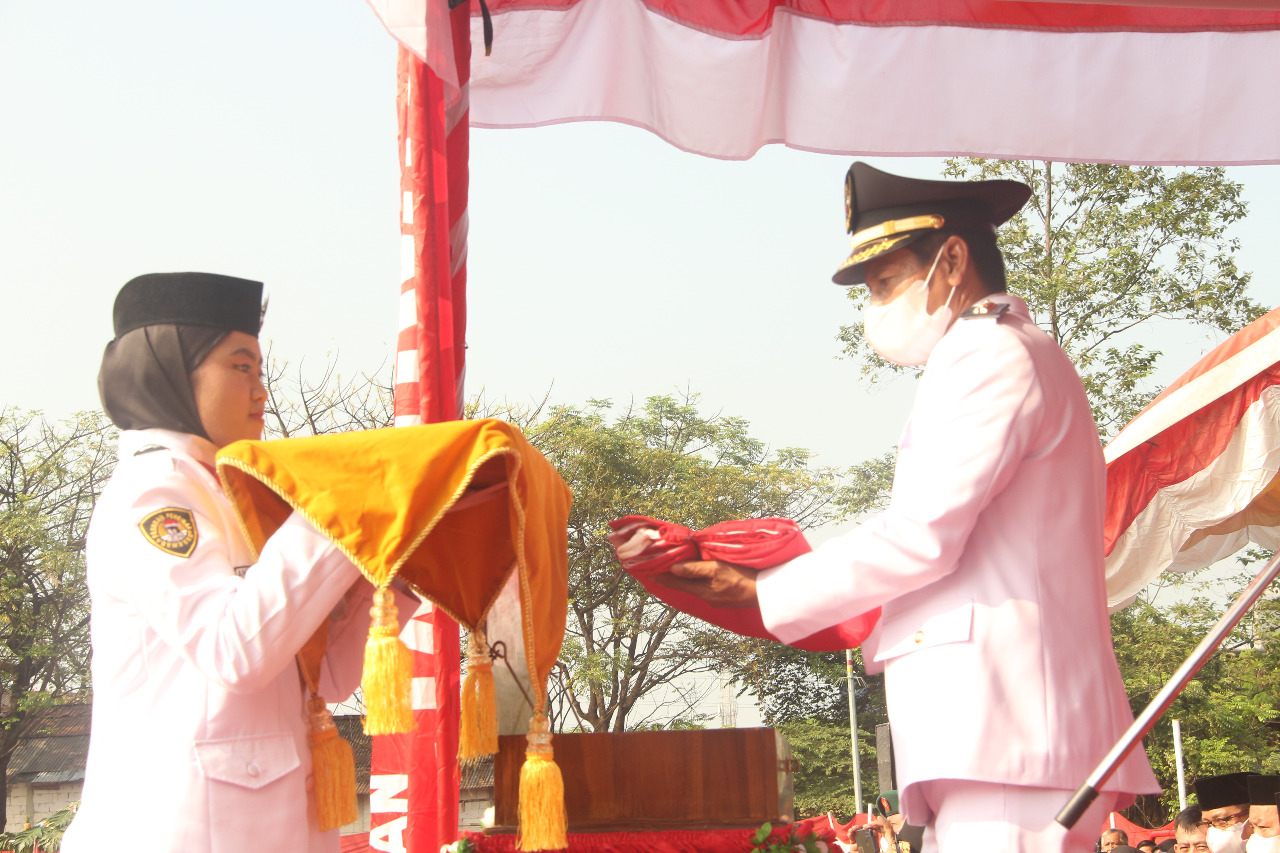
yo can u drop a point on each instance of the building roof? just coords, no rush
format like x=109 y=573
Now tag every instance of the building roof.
x=53 y=744
x=477 y=773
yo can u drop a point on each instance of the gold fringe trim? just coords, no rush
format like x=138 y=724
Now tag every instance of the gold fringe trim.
x=478 y=724
x=388 y=672
x=543 y=822
x=333 y=767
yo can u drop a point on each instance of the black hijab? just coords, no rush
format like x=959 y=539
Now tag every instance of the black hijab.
x=145 y=380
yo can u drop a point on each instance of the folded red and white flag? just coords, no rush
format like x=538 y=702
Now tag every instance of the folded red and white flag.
x=647 y=548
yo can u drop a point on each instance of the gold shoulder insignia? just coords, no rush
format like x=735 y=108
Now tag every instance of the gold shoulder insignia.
x=986 y=308
x=172 y=530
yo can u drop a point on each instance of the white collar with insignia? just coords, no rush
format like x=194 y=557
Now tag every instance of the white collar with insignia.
x=995 y=305
x=133 y=441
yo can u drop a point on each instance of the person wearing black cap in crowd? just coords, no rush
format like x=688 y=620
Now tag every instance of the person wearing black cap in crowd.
x=1224 y=807
x=198 y=708
x=1264 y=818
x=988 y=561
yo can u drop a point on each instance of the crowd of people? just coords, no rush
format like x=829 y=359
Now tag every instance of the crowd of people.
x=1235 y=813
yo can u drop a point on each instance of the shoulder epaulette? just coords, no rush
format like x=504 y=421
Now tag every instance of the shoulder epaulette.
x=150 y=448
x=986 y=308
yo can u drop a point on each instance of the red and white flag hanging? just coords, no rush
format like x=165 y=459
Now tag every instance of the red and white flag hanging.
x=1111 y=82
x=1192 y=479
x=414 y=777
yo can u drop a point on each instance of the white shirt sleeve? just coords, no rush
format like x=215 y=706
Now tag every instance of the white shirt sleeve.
x=241 y=632
x=343 y=664
x=965 y=437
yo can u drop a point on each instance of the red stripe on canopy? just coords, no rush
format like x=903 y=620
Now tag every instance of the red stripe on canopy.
x=1192 y=478
x=1219 y=355
x=738 y=18
x=1176 y=454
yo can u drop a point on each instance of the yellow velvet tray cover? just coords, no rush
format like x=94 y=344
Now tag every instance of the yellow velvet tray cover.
x=453 y=509
x=384 y=497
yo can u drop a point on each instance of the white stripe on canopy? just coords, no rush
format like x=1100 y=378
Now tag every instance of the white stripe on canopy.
x=1111 y=96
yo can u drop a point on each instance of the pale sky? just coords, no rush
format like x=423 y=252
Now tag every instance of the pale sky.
x=259 y=140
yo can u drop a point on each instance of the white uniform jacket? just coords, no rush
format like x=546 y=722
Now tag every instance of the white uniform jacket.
x=199 y=737
x=994 y=636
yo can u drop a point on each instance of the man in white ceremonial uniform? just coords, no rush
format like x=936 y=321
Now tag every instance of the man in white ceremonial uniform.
x=1002 y=684
x=199 y=740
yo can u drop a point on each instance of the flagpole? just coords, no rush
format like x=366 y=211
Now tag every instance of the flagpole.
x=1088 y=792
x=853 y=728
x=1177 y=756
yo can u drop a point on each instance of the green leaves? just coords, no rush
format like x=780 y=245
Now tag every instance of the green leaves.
x=1102 y=254
x=668 y=459
x=1228 y=713
x=50 y=477
x=45 y=835
x=824 y=778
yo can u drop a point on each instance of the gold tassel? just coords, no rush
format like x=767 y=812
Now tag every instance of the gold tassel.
x=478 y=732
x=333 y=768
x=388 y=671
x=543 y=822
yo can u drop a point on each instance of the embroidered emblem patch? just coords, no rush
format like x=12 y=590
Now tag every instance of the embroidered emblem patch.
x=172 y=530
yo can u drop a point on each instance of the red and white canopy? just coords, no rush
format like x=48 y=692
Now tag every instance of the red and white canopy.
x=1188 y=82
x=1192 y=479
x=1109 y=82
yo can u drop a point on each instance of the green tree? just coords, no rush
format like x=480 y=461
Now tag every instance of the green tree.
x=1229 y=713
x=1101 y=253
x=823 y=781
x=806 y=696
x=51 y=476
x=669 y=460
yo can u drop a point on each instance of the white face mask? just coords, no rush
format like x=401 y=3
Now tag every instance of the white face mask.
x=1226 y=840
x=1258 y=844
x=903 y=331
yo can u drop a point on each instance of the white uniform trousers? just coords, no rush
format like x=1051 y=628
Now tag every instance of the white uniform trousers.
x=984 y=817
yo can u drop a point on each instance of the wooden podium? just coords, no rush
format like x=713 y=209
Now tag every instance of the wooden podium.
x=636 y=781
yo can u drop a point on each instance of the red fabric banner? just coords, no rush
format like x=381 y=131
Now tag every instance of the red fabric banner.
x=1193 y=460
x=1170 y=455
x=414 y=777
x=748 y=18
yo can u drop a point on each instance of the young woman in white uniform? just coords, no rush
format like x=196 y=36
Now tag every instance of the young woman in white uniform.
x=199 y=738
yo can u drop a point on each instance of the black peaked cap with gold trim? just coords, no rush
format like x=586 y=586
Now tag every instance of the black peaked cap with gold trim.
x=886 y=212
x=191 y=299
